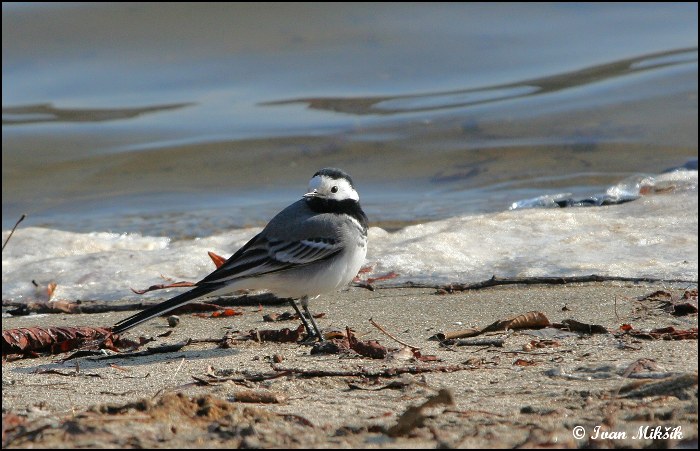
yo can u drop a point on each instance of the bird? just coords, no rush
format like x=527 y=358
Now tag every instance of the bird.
x=314 y=246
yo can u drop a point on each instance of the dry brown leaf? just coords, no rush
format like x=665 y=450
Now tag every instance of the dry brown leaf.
x=49 y=339
x=529 y=320
x=217 y=259
x=285 y=335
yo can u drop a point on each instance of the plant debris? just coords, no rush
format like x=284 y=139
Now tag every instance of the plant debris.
x=285 y=335
x=349 y=342
x=576 y=326
x=163 y=286
x=368 y=348
x=393 y=337
x=496 y=281
x=664 y=333
x=73 y=373
x=529 y=320
x=371 y=373
x=368 y=283
x=217 y=259
x=32 y=340
x=258 y=396
x=534 y=344
x=414 y=418
x=286 y=316
x=684 y=305
x=523 y=362
x=220 y=313
x=12 y=232
x=498 y=342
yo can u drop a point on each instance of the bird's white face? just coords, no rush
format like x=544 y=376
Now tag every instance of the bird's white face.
x=329 y=188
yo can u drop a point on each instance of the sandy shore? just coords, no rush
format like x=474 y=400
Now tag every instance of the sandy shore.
x=521 y=394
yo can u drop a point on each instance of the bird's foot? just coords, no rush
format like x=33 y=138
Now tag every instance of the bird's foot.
x=312 y=338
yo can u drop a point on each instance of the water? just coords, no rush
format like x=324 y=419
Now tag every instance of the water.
x=137 y=137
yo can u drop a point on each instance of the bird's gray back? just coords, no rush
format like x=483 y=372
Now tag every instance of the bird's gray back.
x=298 y=222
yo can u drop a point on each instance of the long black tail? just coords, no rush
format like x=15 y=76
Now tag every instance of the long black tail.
x=164 y=307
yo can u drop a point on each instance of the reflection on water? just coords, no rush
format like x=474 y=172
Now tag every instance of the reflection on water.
x=32 y=114
x=495 y=93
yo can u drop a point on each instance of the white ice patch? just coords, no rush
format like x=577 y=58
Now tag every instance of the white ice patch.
x=105 y=266
x=655 y=236
x=652 y=237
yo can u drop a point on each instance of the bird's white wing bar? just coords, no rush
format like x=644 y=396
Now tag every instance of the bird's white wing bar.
x=306 y=251
x=266 y=256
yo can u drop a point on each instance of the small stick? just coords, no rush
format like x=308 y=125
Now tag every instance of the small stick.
x=498 y=342
x=381 y=329
x=178 y=368
x=366 y=372
x=21 y=218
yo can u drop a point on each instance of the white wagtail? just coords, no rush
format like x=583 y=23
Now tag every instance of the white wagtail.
x=314 y=246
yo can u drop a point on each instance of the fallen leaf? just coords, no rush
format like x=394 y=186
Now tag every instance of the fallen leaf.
x=544 y=344
x=523 y=362
x=369 y=348
x=217 y=259
x=285 y=335
x=225 y=313
x=49 y=339
x=50 y=289
x=424 y=358
x=529 y=320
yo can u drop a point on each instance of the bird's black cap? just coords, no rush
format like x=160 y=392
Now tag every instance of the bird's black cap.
x=335 y=174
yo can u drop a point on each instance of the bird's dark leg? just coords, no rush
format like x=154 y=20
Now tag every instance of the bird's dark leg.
x=305 y=306
x=309 y=332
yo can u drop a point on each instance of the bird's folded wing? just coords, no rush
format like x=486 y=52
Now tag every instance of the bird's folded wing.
x=263 y=255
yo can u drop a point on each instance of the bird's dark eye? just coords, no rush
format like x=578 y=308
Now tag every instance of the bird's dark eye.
x=334 y=189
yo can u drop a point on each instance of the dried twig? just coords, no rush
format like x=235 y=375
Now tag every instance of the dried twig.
x=366 y=372
x=498 y=342
x=74 y=373
x=21 y=218
x=382 y=330
x=259 y=396
x=495 y=281
x=257 y=377
x=163 y=286
x=576 y=326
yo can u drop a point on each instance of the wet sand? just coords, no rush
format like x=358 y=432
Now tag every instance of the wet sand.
x=515 y=395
